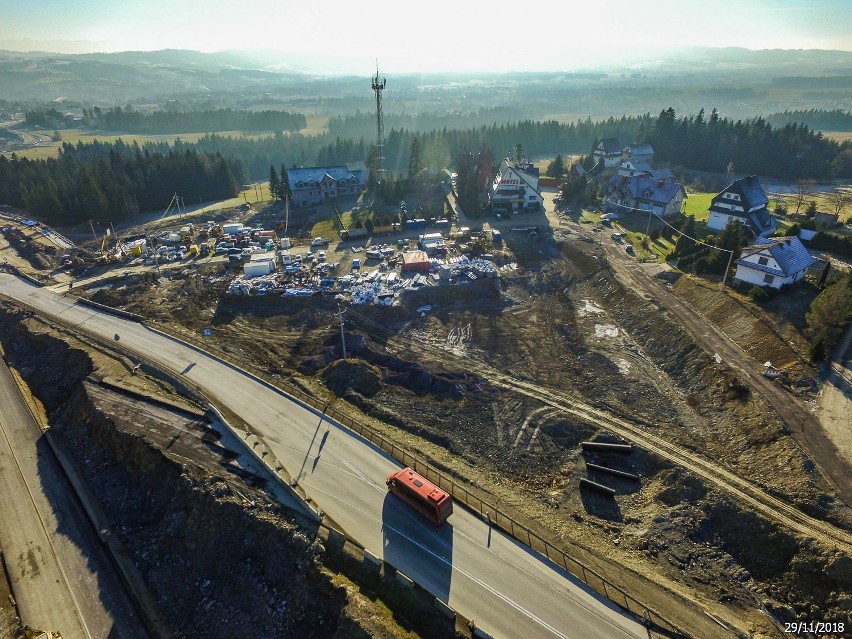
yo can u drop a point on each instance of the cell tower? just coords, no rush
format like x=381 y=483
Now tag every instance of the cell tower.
x=378 y=87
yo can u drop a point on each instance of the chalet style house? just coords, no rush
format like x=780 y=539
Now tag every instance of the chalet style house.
x=608 y=150
x=743 y=200
x=773 y=263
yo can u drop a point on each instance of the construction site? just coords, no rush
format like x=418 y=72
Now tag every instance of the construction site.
x=719 y=511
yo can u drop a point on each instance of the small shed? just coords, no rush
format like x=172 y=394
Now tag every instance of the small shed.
x=415 y=262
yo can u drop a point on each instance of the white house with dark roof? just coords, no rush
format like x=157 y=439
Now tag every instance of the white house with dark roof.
x=516 y=188
x=318 y=184
x=743 y=200
x=608 y=150
x=773 y=262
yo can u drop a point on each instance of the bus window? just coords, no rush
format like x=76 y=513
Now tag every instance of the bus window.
x=420 y=493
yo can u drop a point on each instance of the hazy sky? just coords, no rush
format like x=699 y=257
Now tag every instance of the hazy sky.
x=431 y=35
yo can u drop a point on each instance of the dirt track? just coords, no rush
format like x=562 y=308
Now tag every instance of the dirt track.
x=802 y=425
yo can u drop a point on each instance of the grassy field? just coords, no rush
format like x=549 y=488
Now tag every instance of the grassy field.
x=327 y=228
x=317 y=125
x=72 y=136
x=838 y=136
x=697 y=205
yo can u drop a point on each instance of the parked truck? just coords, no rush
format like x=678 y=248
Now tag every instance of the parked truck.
x=353 y=234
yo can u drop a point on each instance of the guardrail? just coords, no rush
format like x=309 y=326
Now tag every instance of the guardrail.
x=467 y=495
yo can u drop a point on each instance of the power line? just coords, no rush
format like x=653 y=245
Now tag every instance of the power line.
x=676 y=230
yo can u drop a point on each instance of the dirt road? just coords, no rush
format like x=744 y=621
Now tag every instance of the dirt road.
x=805 y=428
x=803 y=425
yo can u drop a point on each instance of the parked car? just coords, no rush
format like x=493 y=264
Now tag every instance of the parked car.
x=321 y=256
x=356 y=264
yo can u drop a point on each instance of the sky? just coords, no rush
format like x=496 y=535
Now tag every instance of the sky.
x=336 y=36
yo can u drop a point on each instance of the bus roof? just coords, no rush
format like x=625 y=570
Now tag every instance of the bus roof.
x=420 y=484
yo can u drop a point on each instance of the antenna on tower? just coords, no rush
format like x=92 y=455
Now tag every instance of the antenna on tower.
x=378 y=87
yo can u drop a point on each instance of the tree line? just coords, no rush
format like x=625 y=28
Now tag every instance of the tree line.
x=157 y=122
x=105 y=181
x=818 y=119
x=715 y=144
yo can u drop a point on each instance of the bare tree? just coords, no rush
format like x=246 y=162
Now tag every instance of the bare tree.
x=801 y=190
x=838 y=199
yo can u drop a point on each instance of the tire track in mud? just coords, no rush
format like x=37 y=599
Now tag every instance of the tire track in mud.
x=710 y=471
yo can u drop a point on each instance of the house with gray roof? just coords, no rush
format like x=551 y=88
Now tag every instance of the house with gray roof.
x=774 y=262
x=318 y=184
x=743 y=200
x=629 y=168
x=639 y=153
x=643 y=193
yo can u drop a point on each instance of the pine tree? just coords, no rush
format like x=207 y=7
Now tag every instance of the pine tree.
x=274 y=184
x=415 y=163
x=286 y=192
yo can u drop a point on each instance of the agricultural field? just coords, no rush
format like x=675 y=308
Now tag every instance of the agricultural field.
x=73 y=136
x=838 y=136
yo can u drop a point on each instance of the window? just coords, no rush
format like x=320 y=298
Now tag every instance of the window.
x=763 y=261
x=768 y=279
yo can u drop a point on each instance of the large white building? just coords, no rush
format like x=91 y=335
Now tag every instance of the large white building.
x=516 y=189
x=314 y=185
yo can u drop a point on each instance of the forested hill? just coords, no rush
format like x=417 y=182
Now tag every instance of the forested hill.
x=752 y=146
x=114 y=181
x=107 y=181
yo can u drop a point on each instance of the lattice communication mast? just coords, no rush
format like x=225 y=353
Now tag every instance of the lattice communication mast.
x=378 y=87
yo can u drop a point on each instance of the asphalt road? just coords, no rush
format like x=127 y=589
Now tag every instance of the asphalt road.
x=508 y=590
x=61 y=576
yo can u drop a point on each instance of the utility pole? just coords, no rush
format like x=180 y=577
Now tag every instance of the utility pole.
x=342 y=336
x=92 y=226
x=727 y=268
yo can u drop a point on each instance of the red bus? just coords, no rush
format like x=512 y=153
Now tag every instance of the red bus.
x=422 y=494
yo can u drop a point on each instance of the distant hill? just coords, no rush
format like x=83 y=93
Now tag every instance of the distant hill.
x=738 y=81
